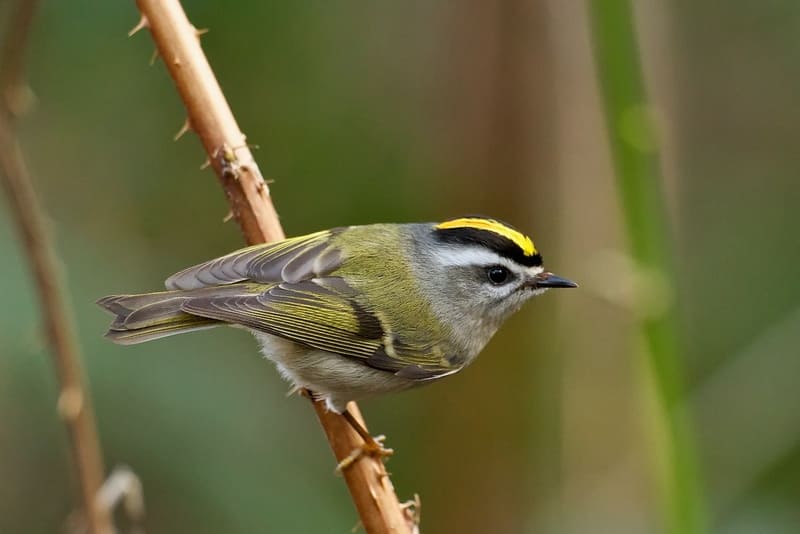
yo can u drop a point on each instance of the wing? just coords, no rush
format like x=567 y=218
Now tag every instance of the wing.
x=290 y=260
x=325 y=314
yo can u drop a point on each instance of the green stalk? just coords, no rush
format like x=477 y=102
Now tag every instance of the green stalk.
x=639 y=181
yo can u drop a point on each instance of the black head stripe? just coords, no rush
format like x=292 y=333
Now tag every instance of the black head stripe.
x=491 y=240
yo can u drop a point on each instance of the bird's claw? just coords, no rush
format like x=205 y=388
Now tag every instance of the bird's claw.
x=373 y=447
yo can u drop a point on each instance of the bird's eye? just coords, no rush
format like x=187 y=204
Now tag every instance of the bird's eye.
x=497 y=274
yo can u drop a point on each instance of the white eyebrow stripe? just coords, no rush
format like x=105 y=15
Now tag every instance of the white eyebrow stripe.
x=476 y=255
x=472 y=255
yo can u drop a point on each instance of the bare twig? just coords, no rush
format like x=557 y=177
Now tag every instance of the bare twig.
x=15 y=92
x=74 y=405
x=211 y=118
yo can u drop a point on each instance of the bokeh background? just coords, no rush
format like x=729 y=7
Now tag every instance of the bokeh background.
x=405 y=111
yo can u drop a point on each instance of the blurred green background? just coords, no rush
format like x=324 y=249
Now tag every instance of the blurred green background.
x=404 y=111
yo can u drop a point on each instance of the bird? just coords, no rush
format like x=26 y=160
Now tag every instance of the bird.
x=358 y=311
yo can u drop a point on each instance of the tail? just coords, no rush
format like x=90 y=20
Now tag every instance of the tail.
x=150 y=316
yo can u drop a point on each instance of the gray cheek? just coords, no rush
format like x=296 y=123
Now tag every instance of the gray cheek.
x=466 y=293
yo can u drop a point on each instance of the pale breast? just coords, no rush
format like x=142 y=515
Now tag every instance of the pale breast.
x=335 y=378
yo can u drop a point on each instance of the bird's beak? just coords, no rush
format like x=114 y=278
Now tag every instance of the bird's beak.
x=548 y=280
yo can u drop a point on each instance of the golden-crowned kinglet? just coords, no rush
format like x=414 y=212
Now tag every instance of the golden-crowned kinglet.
x=356 y=311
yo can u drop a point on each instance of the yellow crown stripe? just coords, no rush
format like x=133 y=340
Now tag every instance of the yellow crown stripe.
x=522 y=241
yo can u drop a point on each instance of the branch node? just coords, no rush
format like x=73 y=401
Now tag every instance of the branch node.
x=70 y=403
x=229 y=165
x=143 y=23
x=20 y=98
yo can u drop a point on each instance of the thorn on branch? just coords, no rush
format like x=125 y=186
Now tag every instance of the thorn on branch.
x=185 y=127
x=412 y=511
x=143 y=23
x=154 y=57
x=228 y=216
x=205 y=164
x=199 y=32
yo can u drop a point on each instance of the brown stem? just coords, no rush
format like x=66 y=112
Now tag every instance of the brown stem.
x=12 y=56
x=211 y=118
x=74 y=404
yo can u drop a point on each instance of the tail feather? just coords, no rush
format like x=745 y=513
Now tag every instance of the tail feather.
x=141 y=318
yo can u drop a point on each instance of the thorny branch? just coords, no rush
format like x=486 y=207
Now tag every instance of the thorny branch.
x=211 y=118
x=74 y=404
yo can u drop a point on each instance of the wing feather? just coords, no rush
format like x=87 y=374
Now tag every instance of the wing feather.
x=290 y=260
x=322 y=314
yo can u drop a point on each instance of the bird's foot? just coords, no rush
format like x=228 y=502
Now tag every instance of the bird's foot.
x=371 y=447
